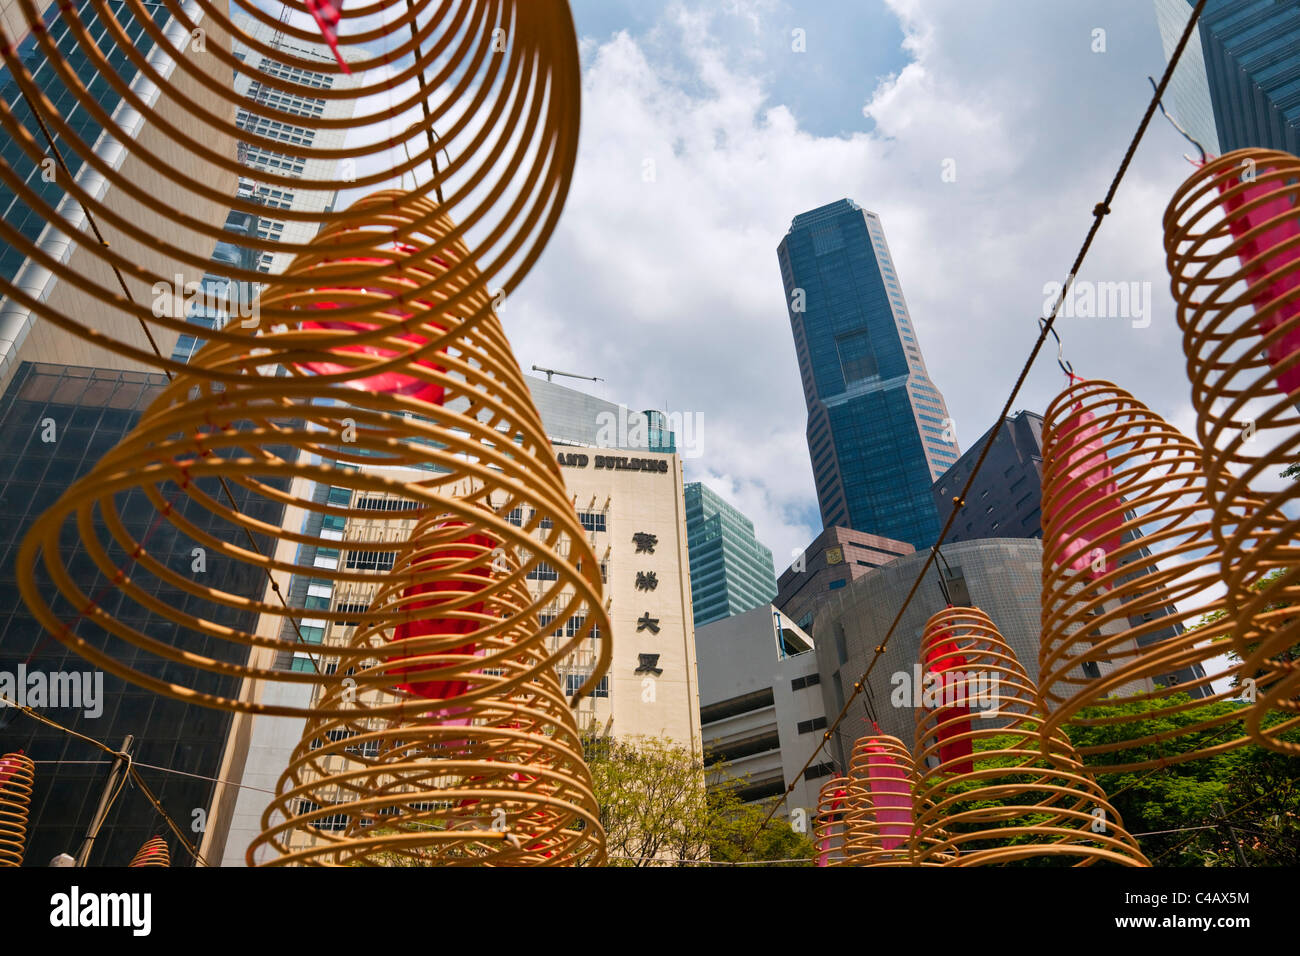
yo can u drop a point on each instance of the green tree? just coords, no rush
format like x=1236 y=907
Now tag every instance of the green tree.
x=1185 y=810
x=660 y=806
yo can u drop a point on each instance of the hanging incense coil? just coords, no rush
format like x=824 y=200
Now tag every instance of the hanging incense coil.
x=1232 y=241
x=878 y=822
x=995 y=787
x=453 y=436
x=153 y=853
x=482 y=766
x=17 y=778
x=477 y=100
x=829 y=823
x=1129 y=562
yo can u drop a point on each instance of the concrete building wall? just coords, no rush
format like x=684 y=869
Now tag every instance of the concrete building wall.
x=1001 y=577
x=761 y=705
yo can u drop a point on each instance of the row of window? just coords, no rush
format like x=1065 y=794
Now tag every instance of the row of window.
x=808 y=726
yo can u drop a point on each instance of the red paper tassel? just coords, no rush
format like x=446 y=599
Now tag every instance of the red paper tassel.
x=326 y=14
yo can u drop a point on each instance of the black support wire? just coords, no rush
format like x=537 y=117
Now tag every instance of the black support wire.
x=1046 y=327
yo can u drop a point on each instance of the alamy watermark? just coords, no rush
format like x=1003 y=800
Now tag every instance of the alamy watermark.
x=682 y=432
x=58 y=690
x=951 y=688
x=1101 y=300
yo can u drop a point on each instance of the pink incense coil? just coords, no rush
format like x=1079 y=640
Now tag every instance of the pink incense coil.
x=829 y=825
x=1263 y=217
x=471 y=558
x=953 y=724
x=389 y=381
x=1026 y=797
x=879 y=818
x=1232 y=244
x=1091 y=513
x=153 y=854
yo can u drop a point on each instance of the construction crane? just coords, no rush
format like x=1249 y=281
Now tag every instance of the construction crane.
x=551 y=371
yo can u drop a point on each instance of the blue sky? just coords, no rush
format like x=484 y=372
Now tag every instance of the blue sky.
x=854 y=43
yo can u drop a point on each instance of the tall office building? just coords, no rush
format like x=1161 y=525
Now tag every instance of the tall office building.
x=57 y=421
x=1237 y=83
x=23 y=336
x=877 y=426
x=224 y=297
x=731 y=571
x=285 y=105
x=628 y=495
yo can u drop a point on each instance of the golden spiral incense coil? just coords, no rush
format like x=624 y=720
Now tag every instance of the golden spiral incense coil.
x=483 y=765
x=1129 y=567
x=452 y=437
x=878 y=821
x=153 y=853
x=17 y=778
x=477 y=100
x=1232 y=243
x=829 y=823
x=995 y=787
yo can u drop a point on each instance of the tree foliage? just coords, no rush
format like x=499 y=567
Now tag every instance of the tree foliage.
x=660 y=806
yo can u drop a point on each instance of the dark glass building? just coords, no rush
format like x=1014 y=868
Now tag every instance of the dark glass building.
x=91 y=410
x=1007 y=497
x=1238 y=81
x=731 y=571
x=878 y=428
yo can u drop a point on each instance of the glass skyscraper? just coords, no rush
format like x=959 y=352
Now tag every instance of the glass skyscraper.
x=178 y=746
x=1238 y=81
x=730 y=571
x=878 y=428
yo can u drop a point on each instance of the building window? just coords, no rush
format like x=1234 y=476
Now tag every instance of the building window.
x=820 y=770
x=808 y=726
x=799 y=683
x=573 y=681
x=592 y=520
x=543 y=572
x=371 y=560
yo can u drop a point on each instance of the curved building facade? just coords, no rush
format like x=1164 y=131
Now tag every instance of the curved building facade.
x=1001 y=576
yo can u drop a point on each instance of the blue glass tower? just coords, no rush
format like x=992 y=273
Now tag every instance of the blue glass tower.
x=1238 y=81
x=731 y=571
x=876 y=423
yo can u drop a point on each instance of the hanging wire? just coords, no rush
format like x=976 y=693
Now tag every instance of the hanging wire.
x=1178 y=126
x=1045 y=326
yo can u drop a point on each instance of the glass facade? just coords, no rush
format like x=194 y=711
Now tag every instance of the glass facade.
x=91 y=410
x=220 y=294
x=730 y=571
x=28 y=221
x=1240 y=85
x=878 y=429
